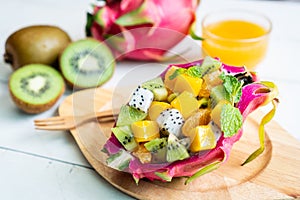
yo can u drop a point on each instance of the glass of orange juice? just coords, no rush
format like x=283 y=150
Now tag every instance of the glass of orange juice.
x=237 y=37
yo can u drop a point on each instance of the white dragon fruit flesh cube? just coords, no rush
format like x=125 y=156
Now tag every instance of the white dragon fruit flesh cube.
x=141 y=99
x=170 y=121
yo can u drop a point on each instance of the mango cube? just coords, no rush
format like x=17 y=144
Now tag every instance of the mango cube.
x=203 y=138
x=156 y=108
x=186 y=103
x=145 y=130
x=188 y=83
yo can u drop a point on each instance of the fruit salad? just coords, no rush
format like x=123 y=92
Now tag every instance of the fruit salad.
x=184 y=122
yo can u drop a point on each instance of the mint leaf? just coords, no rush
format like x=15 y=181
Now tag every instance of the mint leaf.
x=177 y=73
x=232 y=86
x=194 y=71
x=231 y=120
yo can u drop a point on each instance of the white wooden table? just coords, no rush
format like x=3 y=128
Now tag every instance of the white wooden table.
x=48 y=165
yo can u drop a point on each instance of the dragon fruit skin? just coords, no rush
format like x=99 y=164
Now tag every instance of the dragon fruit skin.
x=253 y=96
x=142 y=29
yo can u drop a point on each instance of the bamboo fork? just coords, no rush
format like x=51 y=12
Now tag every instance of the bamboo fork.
x=70 y=122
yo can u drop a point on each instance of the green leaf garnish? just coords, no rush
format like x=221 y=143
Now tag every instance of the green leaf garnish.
x=261 y=133
x=233 y=87
x=231 y=120
x=194 y=71
x=164 y=175
x=204 y=170
x=177 y=73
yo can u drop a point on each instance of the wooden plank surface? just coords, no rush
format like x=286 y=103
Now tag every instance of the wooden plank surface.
x=274 y=175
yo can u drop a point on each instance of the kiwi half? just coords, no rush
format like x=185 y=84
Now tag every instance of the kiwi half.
x=87 y=63
x=36 y=87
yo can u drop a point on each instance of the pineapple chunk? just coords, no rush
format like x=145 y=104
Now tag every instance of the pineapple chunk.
x=145 y=130
x=186 y=103
x=188 y=83
x=168 y=82
x=156 y=108
x=203 y=138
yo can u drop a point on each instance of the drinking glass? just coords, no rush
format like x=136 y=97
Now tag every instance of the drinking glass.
x=237 y=37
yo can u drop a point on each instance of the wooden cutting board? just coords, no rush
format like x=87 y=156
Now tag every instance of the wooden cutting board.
x=274 y=175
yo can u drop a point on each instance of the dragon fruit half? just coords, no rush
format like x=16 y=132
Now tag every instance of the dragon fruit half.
x=254 y=94
x=141 y=29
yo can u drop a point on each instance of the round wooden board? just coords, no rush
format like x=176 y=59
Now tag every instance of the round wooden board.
x=260 y=179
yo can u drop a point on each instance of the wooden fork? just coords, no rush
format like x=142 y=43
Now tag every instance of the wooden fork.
x=70 y=122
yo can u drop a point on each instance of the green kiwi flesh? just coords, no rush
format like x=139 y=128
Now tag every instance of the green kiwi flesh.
x=35 y=88
x=175 y=150
x=217 y=94
x=158 y=149
x=125 y=137
x=128 y=115
x=209 y=65
x=87 y=63
x=157 y=86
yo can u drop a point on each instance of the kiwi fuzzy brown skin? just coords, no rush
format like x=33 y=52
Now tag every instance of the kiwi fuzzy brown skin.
x=34 y=109
x=35 y=44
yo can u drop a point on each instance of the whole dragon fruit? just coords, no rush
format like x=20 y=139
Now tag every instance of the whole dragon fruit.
x=141 y=29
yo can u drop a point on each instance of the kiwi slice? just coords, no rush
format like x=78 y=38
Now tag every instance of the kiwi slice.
x=209 y=65
x=176 y=150
x=125 y=137
x=87 y=63
x=128 y=115
x=36 y=87
x=217 y=94
x=158 y=88
x=158 y=149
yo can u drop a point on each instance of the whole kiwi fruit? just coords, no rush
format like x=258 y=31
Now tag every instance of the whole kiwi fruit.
x=35 y=44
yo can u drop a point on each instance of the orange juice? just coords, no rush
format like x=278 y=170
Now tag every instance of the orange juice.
x=236 y=42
